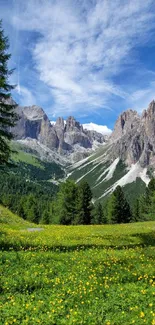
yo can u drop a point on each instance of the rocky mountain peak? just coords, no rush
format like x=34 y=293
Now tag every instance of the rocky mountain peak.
x=65 y=138
x=150 y=112
x=72 y=125
x=33 y=112
x=151 y=107
x=124 y=124
x=60 y=122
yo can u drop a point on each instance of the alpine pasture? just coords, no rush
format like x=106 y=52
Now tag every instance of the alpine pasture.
x=76 y=274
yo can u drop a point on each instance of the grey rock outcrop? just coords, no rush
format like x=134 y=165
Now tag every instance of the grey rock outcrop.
x=33 y=123
x=126 y=123
x=64 y=138
x=133 y=138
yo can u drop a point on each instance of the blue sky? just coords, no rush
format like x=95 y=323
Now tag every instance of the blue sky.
x=88 y=58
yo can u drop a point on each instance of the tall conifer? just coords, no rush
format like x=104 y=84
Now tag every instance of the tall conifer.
x=7 y=106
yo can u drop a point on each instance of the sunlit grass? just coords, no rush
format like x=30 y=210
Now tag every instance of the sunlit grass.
x=78 y=274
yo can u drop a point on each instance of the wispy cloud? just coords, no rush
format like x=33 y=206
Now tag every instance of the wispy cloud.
x=142 y=97
x=80 y=46
x=26 y=95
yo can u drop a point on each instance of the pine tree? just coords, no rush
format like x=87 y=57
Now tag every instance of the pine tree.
x=65 y=205
x=146 y=202
x=84 y=205
x=136 y=210
x=119 y=209
x=8 y=116
x=98 y=215
x=150 y=203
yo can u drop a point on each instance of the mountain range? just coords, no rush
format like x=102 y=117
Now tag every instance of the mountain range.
x=67 y=140
x=126 y=157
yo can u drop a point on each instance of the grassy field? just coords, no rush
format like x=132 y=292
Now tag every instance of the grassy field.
x=76 y=274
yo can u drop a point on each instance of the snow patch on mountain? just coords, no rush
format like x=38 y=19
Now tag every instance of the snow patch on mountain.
x=135 y=171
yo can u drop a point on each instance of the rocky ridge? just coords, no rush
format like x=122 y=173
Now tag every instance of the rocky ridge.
x=67 y=139
x=133 y=138
x=127 y=159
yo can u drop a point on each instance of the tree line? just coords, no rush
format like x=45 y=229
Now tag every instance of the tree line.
x=144 y=206
x=71 y=203
x=30 y=200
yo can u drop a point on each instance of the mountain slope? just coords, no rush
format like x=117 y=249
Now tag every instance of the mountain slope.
x=128 y=158
x=28 y=164
x=9 y=218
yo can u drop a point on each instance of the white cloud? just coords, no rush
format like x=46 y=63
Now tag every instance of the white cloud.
x=26 y=96
x=96 y=127
x=141 y=98
x=82 y=45
x=103 y=129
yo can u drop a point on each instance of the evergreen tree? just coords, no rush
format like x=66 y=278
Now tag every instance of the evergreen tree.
x=136 y=210
x=119 y=209
x=151 y=186
x=146 y=202
x=7 y=107
x=98 y=215
x=150 y=203
x=65 y=205
x=84 y=205
x=31 y=209
x=45 y=219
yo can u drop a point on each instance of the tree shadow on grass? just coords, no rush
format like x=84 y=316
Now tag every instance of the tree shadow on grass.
x=145 y=240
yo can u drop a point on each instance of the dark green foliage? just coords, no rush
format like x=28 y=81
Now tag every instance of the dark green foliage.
x=134 y=190
x=31 y=201
x=98 y=215
x=48 y=171
x=147 y=203
x=73 y=204
x=84 y=205
x=8 y=116
x=45 y=219
x=118 y=207
x=136 y=210
x=65 y=205
x=151 y=186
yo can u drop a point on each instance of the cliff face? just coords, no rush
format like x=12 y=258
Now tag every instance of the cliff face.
x=133 y=138
x=64 y=137
x=33 y=123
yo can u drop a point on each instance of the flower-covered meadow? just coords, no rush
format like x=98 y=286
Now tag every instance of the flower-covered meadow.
x=78 y=275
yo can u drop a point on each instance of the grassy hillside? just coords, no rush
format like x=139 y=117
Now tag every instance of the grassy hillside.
x=10 y=219
x=29 y=165
x=88 y=275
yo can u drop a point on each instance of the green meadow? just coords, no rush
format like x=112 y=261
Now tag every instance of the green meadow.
x=93 y=275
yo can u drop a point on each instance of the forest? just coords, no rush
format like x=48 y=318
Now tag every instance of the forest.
x=71 y=203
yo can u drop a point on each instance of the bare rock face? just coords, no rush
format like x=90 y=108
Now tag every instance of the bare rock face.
x=95 y=136
x=148 y=120
x=74 y=134
x=73 y=125
x=33 y=123
x=126 y=122
x=65 y=138
x=133 y=138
